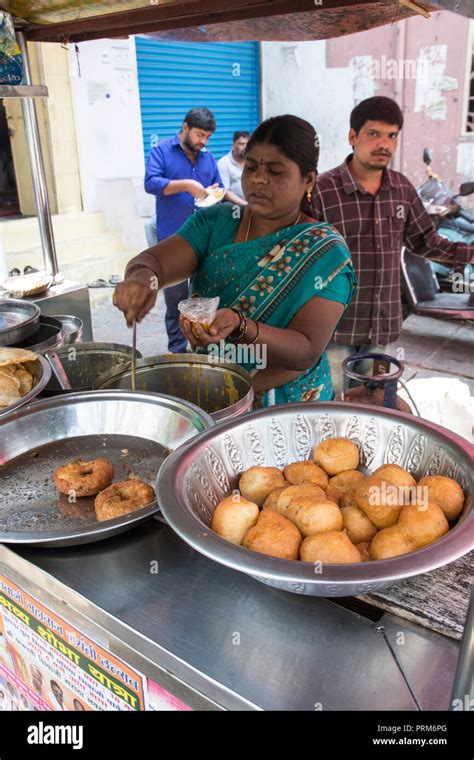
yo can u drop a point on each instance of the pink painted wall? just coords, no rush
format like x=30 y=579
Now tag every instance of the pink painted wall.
x=453 y=153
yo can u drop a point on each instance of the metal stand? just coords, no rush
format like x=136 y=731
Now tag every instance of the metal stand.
x=37 y=171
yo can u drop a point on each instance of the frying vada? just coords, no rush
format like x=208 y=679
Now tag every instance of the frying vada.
x=84 y=478
x=121 y=498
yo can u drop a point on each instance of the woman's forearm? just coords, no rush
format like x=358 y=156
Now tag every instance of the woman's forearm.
x=286 y=349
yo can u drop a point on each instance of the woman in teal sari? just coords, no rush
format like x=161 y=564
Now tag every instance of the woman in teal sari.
x=284 y=280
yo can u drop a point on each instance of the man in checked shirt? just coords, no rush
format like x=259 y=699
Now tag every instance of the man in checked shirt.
x=377 y=211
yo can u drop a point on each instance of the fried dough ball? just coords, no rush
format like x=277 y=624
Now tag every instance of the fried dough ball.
x=358 y=526
x=233 y=517
x=380 y=501
x=121 y=498
x=274 y=535
x=257 y=483
x=342 y=483
x=336 y=455
x=348 y=499
x=294 y=495
x=396 y=475
x=445 y=492
x=390 y=542
x=84 y=478
x=272 y=498
x=311 y=516
x=305 y=472
x=423 y=523
x=332 y=547
x=364 y=550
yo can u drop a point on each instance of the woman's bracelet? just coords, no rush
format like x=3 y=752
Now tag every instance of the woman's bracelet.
x=237 y=335
x=257 y=333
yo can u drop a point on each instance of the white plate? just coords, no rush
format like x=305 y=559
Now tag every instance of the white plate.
x=216 y=194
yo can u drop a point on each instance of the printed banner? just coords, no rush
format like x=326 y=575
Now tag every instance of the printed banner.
x=47 y=664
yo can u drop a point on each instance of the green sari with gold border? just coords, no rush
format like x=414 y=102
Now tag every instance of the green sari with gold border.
x=270 y=278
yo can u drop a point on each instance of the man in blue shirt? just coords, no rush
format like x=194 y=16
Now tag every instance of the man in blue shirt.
x=178 y=172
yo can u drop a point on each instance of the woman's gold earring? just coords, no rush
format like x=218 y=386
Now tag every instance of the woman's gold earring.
x=309 y=195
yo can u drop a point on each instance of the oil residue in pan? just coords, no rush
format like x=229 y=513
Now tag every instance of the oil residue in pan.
x=29 y=500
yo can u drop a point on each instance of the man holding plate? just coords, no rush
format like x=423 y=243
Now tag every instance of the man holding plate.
x=180 y=172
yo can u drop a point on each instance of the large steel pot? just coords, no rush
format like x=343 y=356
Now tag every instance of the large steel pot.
x=85 y=362
x=194 y=479
x=223 y=390
x=47 y=337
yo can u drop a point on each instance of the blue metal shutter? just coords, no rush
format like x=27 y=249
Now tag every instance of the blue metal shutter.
x=174 y=77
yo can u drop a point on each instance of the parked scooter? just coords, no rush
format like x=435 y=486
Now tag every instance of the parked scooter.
x=450 y=219
x=431 y=289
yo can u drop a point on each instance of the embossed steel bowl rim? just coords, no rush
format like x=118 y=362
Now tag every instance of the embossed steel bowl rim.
x=459 y=540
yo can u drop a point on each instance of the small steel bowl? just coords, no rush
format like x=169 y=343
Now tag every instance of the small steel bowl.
x=195 y=478
x=72 y=328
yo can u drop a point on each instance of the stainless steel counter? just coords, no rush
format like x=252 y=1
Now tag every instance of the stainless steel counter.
x=218 y=639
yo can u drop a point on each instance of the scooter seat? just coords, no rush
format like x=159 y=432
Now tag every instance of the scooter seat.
x=448 y=305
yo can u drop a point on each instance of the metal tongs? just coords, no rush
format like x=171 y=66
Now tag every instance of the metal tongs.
x=58 y=369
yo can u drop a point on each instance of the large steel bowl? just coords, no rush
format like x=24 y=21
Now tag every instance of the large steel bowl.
x=134 y=431
x=41 y=372
x=18 y=320
x=194 y=479
x=223 y=390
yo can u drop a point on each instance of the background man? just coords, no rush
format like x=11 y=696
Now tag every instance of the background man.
x=178 y=172
x=377 y=211
x=231 y=166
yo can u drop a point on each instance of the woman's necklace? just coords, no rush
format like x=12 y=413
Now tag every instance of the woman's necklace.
x=250 y=224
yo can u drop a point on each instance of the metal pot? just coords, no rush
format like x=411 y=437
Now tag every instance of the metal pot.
x=72 y=327
x=49 y=335
x=18 y=320
x=84 y=362
x=223 y=390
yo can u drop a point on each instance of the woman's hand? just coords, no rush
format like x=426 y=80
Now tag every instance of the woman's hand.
x=225 y=322
x=135 y=296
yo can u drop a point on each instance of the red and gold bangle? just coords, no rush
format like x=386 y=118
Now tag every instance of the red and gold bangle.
x=257 y=334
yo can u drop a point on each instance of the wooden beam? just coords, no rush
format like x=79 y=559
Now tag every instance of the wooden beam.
x=186 y=14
